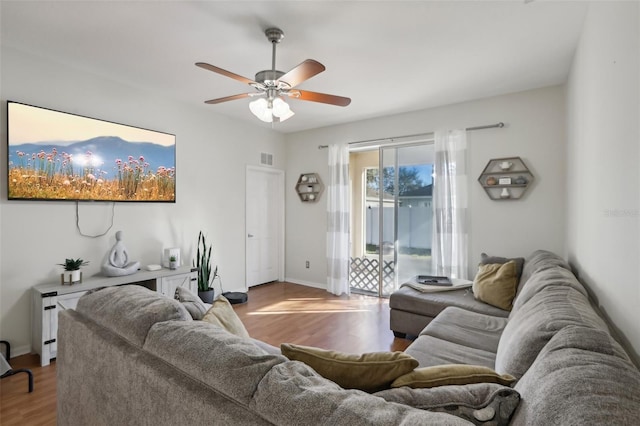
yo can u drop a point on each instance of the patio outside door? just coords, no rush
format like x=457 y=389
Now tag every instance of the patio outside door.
x=397 y=219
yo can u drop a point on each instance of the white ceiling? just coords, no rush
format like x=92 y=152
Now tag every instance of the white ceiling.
x=389 y=57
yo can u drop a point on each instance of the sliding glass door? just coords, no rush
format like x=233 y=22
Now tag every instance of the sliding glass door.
x=391 y=216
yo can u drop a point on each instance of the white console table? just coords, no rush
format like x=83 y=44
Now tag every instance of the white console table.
x=48 y=299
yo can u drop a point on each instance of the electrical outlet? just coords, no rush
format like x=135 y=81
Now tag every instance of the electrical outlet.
x=306 y=264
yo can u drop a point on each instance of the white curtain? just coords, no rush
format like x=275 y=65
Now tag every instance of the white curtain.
x=449 y=249
x=338 y=206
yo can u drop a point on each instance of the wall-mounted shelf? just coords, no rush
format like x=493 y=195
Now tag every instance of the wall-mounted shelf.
x=309 y=187
x=505 y=178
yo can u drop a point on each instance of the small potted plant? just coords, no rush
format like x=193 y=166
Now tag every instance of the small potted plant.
x=173 y=262
x=205 y=276
x=73 y=267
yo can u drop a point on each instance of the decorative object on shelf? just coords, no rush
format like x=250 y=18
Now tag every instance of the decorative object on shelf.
x=72 y=266
x=520 y=180
x=506 y=165
x=205 y=276
x=168 y=253
x=117 y=263
x=309 y=187
x=173 y=262
x=505 y=178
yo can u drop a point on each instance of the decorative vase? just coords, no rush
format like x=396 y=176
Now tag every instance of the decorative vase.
x=173 y=264
x=207 y=295
x=491 y=180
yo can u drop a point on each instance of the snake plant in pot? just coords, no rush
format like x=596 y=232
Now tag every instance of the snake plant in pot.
x=205 y=275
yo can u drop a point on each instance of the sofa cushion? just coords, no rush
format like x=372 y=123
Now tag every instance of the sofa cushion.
x=369 y=372
x=430 y=351
x=191 y=302
x=130 y=310
x=540 y=260
x=222 y=315
x=535 y=323
x=222 y=360
x=467 y=328
x=582 y=377
x=451 y=374
x=310 y=399
x=431 y=304
x=554 y=276
x=496 y=283
x=488 y=404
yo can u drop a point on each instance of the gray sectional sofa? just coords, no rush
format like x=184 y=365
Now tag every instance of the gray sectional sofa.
x=128 y=356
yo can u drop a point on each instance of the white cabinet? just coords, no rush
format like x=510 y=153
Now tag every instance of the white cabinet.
x=169 y=284
x=49 y=299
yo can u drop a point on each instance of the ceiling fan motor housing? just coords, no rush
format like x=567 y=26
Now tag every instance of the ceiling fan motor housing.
x=268 y=77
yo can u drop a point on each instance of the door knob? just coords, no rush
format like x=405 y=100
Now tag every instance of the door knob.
x=250 y=235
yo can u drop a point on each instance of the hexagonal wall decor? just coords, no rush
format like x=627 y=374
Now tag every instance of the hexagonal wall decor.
x=309 y=187
x=505 y=178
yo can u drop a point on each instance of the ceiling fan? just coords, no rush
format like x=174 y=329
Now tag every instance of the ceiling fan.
x=273 y=85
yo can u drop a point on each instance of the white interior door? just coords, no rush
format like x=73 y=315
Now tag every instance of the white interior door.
x=264 y=226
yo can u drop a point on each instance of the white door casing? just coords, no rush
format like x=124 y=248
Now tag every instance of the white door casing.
x=264 y=229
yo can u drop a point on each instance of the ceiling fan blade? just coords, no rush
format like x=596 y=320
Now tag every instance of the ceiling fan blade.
x=227 y=98
x=225 y=73
x=302 y=72
x=306 y=95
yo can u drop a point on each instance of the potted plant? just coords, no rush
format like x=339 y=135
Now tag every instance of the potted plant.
x=173 y=262
x=205 y=276
x=73 y=267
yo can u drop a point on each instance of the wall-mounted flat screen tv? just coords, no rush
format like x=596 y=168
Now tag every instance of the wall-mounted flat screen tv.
x=54 y=155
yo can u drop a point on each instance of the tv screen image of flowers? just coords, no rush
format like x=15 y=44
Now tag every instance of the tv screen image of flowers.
x=54 y=155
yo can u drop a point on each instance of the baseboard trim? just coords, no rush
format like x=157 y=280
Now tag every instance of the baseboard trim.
x=306 y=283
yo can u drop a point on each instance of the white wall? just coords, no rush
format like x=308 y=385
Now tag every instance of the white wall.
x=212 y=154
x=535 y=131
x=603 y=96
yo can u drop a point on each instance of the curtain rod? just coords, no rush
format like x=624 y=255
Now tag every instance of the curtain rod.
x=468 y=129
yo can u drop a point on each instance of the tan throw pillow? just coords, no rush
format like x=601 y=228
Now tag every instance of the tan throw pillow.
x=451 y=374
x=369 y=372
x=222 y=314
x=496 y=284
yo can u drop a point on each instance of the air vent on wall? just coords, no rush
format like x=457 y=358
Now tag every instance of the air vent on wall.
x=266 y=159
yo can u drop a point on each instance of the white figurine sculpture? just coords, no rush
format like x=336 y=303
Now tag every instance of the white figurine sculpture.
x=118 y=262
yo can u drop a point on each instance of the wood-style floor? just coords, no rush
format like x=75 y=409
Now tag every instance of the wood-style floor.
x=275 y=313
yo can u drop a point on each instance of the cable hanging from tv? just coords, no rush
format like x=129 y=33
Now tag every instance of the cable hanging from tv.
x=113 y=213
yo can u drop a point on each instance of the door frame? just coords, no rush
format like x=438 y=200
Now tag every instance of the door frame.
x=280 y=205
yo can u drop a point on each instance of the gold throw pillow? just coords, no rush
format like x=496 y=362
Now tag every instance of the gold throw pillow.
x=451 y=374
x=496 y=284
x=369 y=372
x=222 y=314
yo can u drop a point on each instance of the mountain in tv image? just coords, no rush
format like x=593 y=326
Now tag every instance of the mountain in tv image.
x=100 y=168
x=105 y=150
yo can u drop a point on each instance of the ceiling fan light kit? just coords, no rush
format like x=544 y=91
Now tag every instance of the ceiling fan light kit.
x=272 y=85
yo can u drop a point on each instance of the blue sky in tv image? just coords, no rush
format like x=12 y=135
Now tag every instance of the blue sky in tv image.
x=56 y=155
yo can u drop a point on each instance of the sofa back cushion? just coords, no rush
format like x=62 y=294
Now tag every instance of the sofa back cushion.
x=536 y=322
x=233 y=365
x=292 y=393
x=582 y=377
x=540 y=260
x=130 y=310
x=555 y=276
